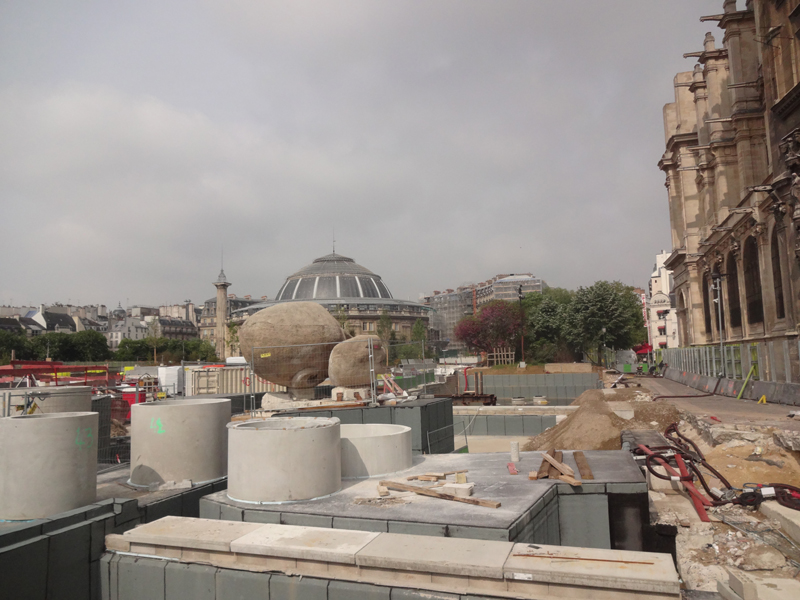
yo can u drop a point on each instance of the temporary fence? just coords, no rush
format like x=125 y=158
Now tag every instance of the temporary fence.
x=775 y=360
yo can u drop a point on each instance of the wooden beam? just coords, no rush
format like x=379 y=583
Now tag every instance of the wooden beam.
x=404 y=487
x=544 y=468
x=583 y=466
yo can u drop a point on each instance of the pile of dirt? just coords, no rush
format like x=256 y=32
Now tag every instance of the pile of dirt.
x=595 y=427
x=592 y=427
x=118 y=428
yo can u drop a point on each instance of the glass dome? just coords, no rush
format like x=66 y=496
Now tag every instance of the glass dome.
x=333 y=277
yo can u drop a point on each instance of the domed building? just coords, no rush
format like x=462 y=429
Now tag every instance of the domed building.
x=348 y=290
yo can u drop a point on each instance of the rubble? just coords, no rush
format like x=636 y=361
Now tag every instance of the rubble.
x=790 y=440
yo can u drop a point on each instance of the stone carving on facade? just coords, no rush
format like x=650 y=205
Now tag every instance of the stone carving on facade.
x=790 y=150
x=735 y=247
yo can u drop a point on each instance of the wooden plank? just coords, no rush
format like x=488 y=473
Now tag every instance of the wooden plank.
x=583 y=465
x=382 y=491
x=544 y=468
x=553 y=473
x=429 y=478
x=404 y=487
x=570 y=480
x=561 y=467
x=533 y=475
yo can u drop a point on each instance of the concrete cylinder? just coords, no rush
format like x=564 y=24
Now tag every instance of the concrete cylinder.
x=375 y=449
x=284 y=459
x=54 y=399
x=176 y=440
x=514 y=451
x=48 y=464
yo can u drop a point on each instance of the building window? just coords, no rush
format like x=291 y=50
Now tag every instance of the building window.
x=752 y=282
x=368 y=326
x=777 y=280
x=733 y=292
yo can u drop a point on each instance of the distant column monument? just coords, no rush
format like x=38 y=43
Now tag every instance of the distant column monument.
x=222 y=286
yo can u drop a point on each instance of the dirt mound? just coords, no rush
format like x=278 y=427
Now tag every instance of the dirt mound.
x=595 y=427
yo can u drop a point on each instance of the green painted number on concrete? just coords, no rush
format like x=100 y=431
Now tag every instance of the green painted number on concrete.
x=155 y=425
x=84 y=438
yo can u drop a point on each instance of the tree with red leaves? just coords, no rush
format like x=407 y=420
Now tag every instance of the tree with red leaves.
x=496 y=325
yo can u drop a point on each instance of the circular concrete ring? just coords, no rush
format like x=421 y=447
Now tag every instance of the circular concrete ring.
x=284 y=459
x=49 y=464
x=55 y=399
x=176 y=440
x=375 y=449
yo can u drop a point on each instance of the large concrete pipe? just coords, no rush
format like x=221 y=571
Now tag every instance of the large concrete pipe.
x=53 y=399
x=48 y=464
x=375 y=449
x=176 y=440
x=284 y=459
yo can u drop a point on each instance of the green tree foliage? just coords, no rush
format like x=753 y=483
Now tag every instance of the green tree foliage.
x=605 y=314
x=546 y=318
x=497 y=324
x=15 y=341
x=90 y=346
x=168 y=351
x=418 y=332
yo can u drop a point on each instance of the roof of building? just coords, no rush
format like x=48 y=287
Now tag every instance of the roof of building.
x=60 y=320
x=29 y=323
x=517 y=278
x=8 y=324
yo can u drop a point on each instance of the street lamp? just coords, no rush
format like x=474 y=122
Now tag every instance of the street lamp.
x=521 y=324
x=716 y=278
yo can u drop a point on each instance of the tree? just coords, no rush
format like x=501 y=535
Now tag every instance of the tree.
x=152 y=338
x=13 y=341
x=497 y=324
x=419 y=333
x=58 y=346
x=546 y=322
x=606 y=314
x=90 y=346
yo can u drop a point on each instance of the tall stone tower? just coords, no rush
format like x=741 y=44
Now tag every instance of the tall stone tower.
x=220 y=331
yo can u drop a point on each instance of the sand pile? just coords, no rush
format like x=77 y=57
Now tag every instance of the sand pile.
x=595 y=427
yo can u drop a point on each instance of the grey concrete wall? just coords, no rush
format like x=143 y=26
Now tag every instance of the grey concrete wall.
x=503 y=424
x=430 y=420
x=776 y=393
x=556 y=387
x=59 y=557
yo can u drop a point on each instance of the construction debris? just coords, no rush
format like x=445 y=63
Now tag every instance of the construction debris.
x=404 y=487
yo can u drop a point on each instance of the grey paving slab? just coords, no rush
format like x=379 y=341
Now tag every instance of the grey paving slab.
x=514 y=425
x=261 y=516
x=347 y=590
x=360 y=524
x=13 y=532
x=140 y=578
x=408 y=594
x=306 y=520
x=283 y=587
x=231 y=513
x=477 y=558
x=242 y=585
x=411 y=528
x=209 y=509
x=201 y=534
x=189 y=581
x=626 y=488
x=479 y=426
x=478 y=533
x=308 y=543
x=106 y=592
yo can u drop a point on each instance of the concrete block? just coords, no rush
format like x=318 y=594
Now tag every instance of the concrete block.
x=209 y=509
x=477 y=533
x=306 y=520
x=406 y=527
x=360 y=524
x=141 y=578
x=242 y=585
x=94 y=580
x=460 y=490
x=586 y=488
x=307 y=543
x=283 y=587
x=125 y=509
x=548 y=421
x=346 y=590
x=583 y=521
x=231 y=513
x=68 y=573
x=201 y=534
x=23 y=566
x=626 y=488
x=531 y=425
x=99 y=508
x=476 y=558
x=479 y=426
x=252 y=515
x=514 y=425
x=377 y=415
x=407 y=594
x=65 y=519
x=190 y=500
x=97 y=537
x=656 y=574
x=190 y=581
x=171 y=506
x=219 y=485
x=726 y=592
x=742 y=584
x=788 y=518
x=14 y=533
x=348 y=416
x=778 y=589
x=106 y=591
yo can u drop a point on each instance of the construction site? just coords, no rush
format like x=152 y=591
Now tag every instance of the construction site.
x=339 y=479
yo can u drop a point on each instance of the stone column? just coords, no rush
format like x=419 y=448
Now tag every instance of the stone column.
x=220 y=330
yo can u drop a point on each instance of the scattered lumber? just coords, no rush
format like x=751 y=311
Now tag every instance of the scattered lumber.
x=383 y=491
x=436 y=476
x=570 y=480
x=533 y=475
x=583 y=465
x=558 y=465
x=422 y=491
x=544 y=468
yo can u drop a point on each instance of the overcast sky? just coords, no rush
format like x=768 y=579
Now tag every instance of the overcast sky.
x=445 y=141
